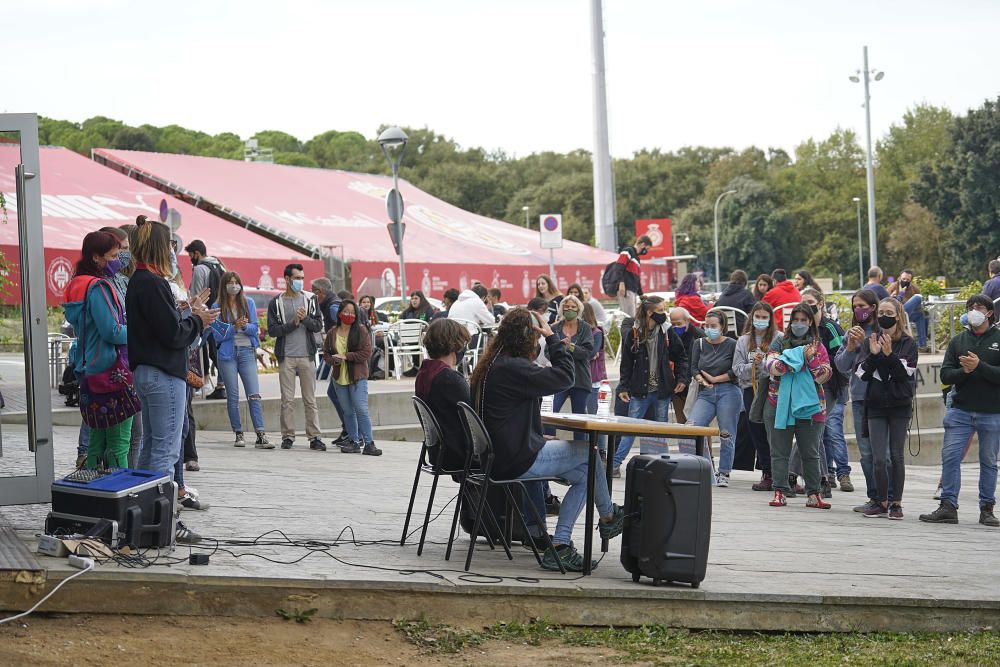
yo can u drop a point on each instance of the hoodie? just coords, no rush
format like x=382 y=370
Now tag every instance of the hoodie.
x=470 y=306
x=98 y=318
x=782 y=293
x=737 y=296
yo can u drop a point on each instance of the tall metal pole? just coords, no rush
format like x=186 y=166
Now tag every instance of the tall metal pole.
x=526 y=209
x=718 y=278
x=399 y=239
x=872 y=238
x=552 y=265
x=604 y=196
x=861 y=258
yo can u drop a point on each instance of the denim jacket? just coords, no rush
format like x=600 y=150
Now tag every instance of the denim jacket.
x=227 y=342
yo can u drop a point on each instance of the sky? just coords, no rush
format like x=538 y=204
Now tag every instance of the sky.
x=514 y=75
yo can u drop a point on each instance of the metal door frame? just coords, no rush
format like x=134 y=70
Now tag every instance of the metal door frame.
x=35 y=488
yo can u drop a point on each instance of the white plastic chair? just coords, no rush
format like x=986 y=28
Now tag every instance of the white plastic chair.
x=783 y=313
x=404 y=339
x=59 y=345
x=480 y=336
x=731 y=314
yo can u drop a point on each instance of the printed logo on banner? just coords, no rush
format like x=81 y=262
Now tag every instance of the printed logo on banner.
x=59 y=273
x=526 y=286
x=388 y=282
x=463 y=281
x=425 y=284
x=265 y=281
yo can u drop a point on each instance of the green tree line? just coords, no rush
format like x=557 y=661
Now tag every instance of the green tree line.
x=937 y=182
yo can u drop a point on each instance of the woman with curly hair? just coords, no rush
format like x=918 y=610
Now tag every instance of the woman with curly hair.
x=507 y=390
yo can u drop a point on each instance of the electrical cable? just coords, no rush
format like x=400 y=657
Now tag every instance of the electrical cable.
x=90 y=566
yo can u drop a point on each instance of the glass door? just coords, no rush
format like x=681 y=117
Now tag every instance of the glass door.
x=26 y=458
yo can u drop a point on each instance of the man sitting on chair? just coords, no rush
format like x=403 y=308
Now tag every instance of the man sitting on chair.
x=507 y=388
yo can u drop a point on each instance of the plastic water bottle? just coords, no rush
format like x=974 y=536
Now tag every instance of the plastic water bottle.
x=547 y=404
x=604 y=399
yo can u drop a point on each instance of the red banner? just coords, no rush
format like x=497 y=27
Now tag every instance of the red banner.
x=659 y=232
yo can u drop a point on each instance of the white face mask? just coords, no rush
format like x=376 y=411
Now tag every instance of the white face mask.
x=234 y=289
x=976 y=319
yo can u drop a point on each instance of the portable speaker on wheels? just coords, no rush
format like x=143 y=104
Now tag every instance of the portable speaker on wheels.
x=668 y=518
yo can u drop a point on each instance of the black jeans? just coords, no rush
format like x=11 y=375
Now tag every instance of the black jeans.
x=189 y=430
x=758 y=434
x=888 y=437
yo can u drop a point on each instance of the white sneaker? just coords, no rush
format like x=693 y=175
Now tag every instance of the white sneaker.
x=722 y=479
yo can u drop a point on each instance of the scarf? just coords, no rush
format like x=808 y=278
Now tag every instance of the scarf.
x=429 y=370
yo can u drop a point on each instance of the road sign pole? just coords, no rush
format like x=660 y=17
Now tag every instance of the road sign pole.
x=552 y=264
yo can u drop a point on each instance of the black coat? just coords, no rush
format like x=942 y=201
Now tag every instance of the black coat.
x=635 y=364
x=896 y=388
x=737 y=296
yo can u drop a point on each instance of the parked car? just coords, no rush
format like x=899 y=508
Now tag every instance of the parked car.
x=391 y=304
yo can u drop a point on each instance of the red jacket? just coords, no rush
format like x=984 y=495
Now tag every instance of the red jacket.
x=781 y=294
x=694 y=305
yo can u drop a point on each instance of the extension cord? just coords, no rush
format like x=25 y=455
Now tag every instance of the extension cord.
x=81 y=563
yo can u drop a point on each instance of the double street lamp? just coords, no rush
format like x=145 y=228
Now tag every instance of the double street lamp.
x=861 y=259
x=393 y=142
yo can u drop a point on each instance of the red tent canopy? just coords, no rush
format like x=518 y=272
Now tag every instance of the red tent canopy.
x=328 y=211
x=79 y=196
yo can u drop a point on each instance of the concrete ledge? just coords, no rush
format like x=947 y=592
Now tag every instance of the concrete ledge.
x=477 y=605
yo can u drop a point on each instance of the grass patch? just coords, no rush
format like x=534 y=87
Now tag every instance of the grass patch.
x=672 y=646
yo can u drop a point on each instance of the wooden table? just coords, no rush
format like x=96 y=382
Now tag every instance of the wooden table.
x=615 y=427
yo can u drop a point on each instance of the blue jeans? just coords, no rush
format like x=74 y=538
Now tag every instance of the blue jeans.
x=353 y=399
x=83 y=442
x=959 y=426
x=914 y=308
x=637 y=408
x=245 y=367
x=577 y=400
x=865 y=449
x=568 y=460
x=331 y=393
x=602 y=440
x=834 y=442
x=164 y=401
x=725 y=403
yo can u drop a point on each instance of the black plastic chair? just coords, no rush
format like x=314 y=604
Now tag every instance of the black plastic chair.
x=430 y=450
x=480 y=445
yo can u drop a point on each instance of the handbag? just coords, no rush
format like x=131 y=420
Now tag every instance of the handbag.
x=693 y=387
x=107 y=398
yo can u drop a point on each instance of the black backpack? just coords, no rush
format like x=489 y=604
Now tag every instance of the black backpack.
x=611 y=278
x=215 y=273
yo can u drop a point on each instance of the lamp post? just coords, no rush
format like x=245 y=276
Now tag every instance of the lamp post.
x=861 y=259
x=526 y=209
x=390 y=140
x=718 y=279
x=868 y=74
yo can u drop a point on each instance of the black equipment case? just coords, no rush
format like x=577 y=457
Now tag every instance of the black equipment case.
x=142 y=503
x=668 y=517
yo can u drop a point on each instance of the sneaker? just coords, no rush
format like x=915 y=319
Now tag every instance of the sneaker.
x=945 y=513
x=192 y=466
x=185 y=535
x=371 y=450
x=317 y=445
x=351 y=448
x=845 y=483
x=571 y=559
x=722 y=480
x=613 y=528
x=778 y=500
x=816 y=502
x=218 y=394
x=286 y=443
x=81 y=461
x=937 y=494
x=765 y=483
x=190 y=501
x=616 y=473
x=342 y=440
x=240 y=440
x=896 y=512
x=263 y=442
x=412 y=373
x=552 y=505
x=825 y=488
x=875 y=511
x=987 y=518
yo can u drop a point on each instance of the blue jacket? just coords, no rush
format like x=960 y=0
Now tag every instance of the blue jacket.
x=797 y=397
x=227 y=342
x=92 y=308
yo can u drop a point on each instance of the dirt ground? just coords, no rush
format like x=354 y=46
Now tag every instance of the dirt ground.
x=60 y=641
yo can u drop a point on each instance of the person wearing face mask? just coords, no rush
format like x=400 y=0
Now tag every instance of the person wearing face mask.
x=348 y=348
x=627 y=273
x=751 y=373
x=654 y=366
x=206 y=273
x=906 y=291
x=689 y=333
x=97 y=314
x=442 y=387
x=719 y=396
x=848 y=360
x=972 y=366
x=237 y=342
x=579 y=339
x=292 y=319
x=796 y=407
x=890 y=370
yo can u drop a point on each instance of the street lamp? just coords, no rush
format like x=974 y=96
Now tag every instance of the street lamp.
x=526 y=209
x=718 y=279
x=861 y=259
x=869 y=74
x=390 y=140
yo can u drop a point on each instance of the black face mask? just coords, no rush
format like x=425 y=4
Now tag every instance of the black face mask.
x=904 y=283
x=659 y=318
x=194 y=261
x=886 y=321
x=644 y=251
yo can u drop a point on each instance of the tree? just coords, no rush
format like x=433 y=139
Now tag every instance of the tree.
x=132 y=139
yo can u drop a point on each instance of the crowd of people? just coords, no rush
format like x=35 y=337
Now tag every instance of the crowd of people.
x=769 y=361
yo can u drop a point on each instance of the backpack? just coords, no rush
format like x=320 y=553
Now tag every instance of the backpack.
x=215 y=273
x=610 y=278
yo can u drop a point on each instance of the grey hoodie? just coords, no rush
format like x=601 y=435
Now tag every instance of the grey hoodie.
x=848 y=362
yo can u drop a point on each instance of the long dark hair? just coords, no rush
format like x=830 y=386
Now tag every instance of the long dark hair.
x=641 y=326
x=231 y=306
x=808 y=311
x=424 y=306
x=371 y=312
x=94 y=243
x=751 y=331
x=809 y=280
x=767 y=279
x=356 y=332
x=869 y=297
x=515 y=337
